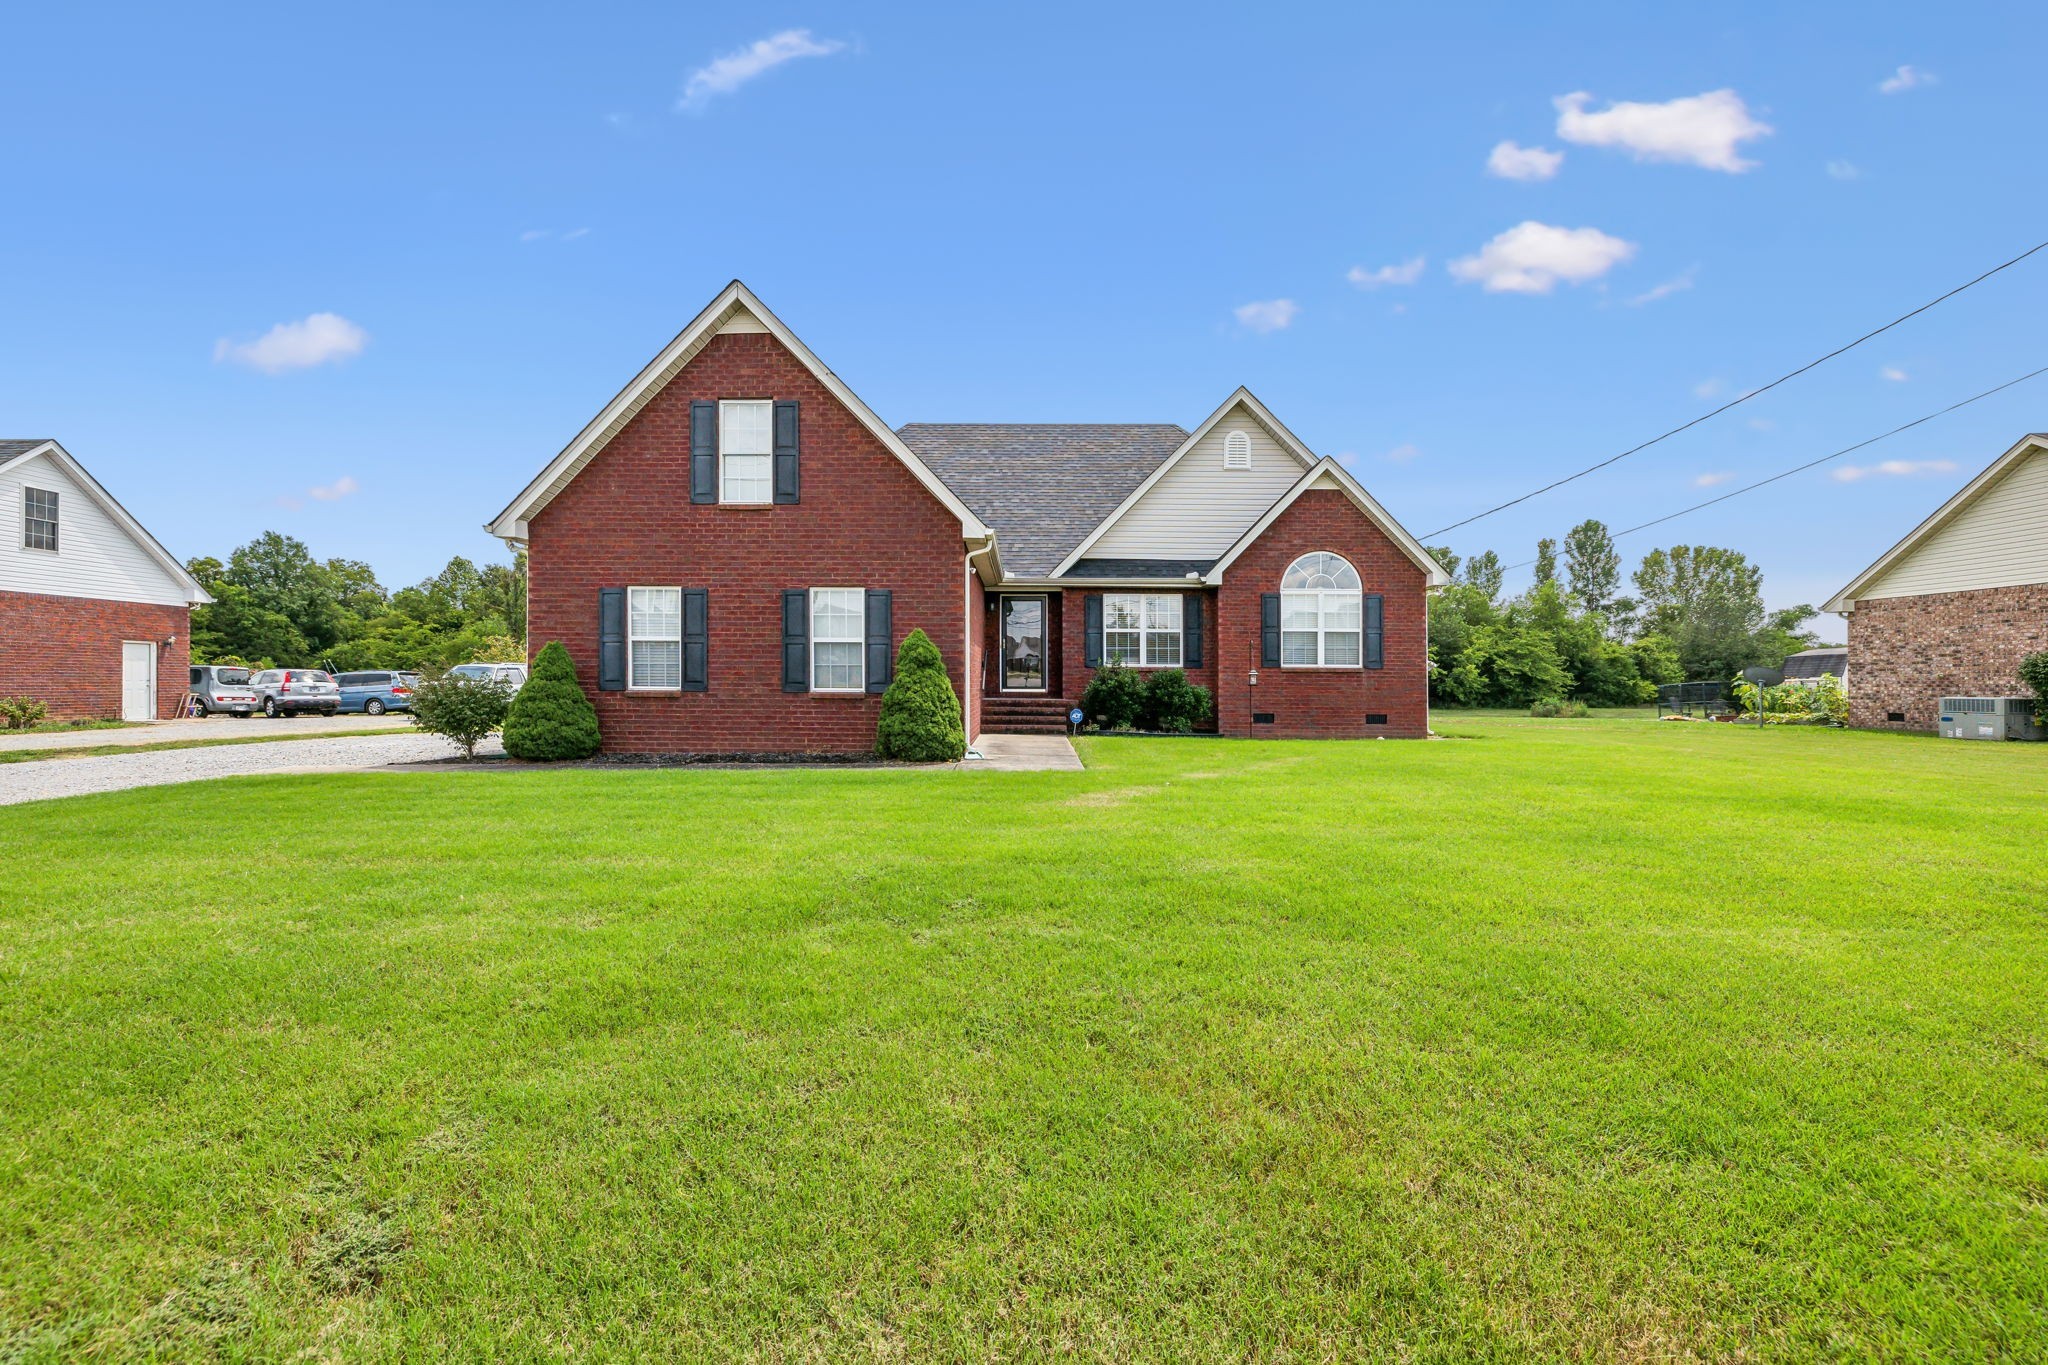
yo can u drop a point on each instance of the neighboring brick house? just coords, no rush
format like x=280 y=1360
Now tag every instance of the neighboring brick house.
x=95 y=615
x=735 y=546
x=1952 y=609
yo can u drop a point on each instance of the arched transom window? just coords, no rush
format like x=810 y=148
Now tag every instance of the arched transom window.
x=1321 y=617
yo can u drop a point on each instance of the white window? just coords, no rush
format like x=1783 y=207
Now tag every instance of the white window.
x=1237 y=450
x=654 y=634
x=746 y=450
x=38 y=519
x=1321 y=613
x=1141 y=630
x=837 y=640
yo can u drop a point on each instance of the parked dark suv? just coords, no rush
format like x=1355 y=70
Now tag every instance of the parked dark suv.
x=295 y=691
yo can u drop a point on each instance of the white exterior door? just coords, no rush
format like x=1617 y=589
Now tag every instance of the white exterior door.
x=138 y=680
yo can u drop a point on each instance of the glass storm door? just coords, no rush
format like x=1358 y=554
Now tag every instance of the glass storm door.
x=1023 y=644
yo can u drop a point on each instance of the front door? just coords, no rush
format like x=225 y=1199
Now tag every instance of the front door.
x=138 y=680
x=1023 y=635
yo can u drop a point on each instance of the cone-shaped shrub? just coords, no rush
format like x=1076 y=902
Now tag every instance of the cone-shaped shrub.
x=920 y=714
x=551 y=718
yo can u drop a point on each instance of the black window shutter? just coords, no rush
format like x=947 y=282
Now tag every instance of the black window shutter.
x=703 y=451
x=696 y=640
x=1375 y=630
x=796 y=640
x=1191 y=630
x=881 y=658
x=1091 y=617
x=1269 y=630
x=611 y=639
x=785 y=452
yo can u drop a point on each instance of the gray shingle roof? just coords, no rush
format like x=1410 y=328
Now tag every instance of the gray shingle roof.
x=9 y=448
x=1042 y=487
x=1811 y=663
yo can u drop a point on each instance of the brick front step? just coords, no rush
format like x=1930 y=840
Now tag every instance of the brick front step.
x=1016 y=715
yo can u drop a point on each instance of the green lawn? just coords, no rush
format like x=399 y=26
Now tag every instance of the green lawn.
x=1559 y=1040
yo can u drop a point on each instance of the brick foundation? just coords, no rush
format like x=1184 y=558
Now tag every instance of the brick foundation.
x=1906 y=653
x=66 y=652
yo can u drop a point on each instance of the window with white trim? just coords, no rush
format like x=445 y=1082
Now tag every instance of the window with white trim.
x=1321 y=613
x=654 y=639
x=838 y=639
x=38 y=519
x=746 y=450
x=1237 y=450
x=1141 y=630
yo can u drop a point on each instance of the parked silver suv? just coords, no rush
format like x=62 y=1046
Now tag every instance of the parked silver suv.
x=292 y=691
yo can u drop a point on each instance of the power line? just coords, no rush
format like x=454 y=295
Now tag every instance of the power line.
x=1802 y=468
x=1740 y=398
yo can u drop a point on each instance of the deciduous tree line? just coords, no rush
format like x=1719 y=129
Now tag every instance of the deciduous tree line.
x=274 y=605
x=1697 y=613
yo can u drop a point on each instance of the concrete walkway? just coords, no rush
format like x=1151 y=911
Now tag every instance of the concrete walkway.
x=215 y=727
x=1025 y=754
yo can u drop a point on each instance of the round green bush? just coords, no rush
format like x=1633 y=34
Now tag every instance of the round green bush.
x=551 y=719
x=1172 y=703
x=1115 y=697
x=920 y=714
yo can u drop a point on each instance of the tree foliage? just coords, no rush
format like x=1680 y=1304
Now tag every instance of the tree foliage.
x=1592 y=565
x=551 y=718
x=460 y=710
x=920 y=720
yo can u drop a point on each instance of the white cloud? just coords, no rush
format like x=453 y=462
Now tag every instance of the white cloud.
x=1511 y=161
x=1850 y=473
x=333 y=492
x=314 y=340
x=533 y=235
x=573 y=233
x=1407 y=272
x=1403 y=453
x=728 y=73
x=1270 y=315
x=1907 y=78
x=1531 y=257
x=1892 y=374
x=1710 y=388
x=1714 y=480
x=1681 y=281
x=1699 y=130
x=1844 y=170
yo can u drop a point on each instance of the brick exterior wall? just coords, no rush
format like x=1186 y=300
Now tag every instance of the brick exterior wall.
x=1324 y=703
x=66 y=652
x=627 y=520
x=1074 y=670
x=1906 y=653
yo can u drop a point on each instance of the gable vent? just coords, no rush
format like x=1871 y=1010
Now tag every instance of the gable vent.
x=1237 y=451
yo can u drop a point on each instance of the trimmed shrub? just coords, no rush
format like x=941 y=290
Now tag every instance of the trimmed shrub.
x=1115 y=697
x=551 y=719
x=920 y=713
x=1172 y=703
x=1552 y=708
x=22 y=713
x=459 y=710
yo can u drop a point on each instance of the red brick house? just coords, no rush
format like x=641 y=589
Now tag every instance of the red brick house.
x=95 y=615
x=735 y=546
x=1952 y=609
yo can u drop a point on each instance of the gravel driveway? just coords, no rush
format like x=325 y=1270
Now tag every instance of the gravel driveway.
x=56 y=777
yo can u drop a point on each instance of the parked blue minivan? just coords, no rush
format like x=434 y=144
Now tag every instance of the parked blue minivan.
x=375 y=693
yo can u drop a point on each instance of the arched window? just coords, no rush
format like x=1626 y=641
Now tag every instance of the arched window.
x=1321 y=613
x=1237 y=450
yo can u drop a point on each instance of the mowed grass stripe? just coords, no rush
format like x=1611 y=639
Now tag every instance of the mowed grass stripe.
x=1607 y=1039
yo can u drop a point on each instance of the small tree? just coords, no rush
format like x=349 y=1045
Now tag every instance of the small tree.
x=551 y=718
x=920 y=712
x=1174 y=704
x=1115 y=697
x=460 y=710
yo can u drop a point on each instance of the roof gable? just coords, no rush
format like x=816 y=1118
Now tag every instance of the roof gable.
x=1993 y=533
x=735 y=309
x=19 y=456
x=1328 y=474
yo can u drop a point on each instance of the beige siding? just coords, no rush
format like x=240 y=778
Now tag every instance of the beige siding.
x=1200 y=508
x=1999 y=541
x=94 y=557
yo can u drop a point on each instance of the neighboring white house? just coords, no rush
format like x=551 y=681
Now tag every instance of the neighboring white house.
x=95 y=614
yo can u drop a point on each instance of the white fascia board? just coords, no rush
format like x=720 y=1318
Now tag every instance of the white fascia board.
x=194 y=594
x=1287 y=439
x=511 y=524
x=1435 y=577
x=1844 y=602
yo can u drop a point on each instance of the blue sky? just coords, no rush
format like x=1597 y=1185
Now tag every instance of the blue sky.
x=471 y=225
